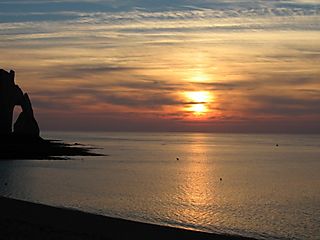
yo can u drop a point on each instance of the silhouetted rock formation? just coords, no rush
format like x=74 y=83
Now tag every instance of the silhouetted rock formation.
x=25 y=141
x=38 y=148
x=10 y=96
x=26 y=124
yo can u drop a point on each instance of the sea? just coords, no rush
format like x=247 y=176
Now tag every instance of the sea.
x=261 y=186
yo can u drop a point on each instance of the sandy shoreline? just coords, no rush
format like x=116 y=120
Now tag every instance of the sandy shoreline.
x=25 y=220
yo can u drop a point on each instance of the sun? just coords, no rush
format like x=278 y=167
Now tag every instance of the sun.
x=198 y=101
x=199 y=97
x=198 y=109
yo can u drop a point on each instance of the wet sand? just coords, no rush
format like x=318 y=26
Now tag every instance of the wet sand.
x=26 y=220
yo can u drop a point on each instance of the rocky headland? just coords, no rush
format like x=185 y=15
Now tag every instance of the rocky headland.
x=23 y=141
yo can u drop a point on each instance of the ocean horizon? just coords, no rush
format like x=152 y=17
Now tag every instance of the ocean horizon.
x=264 y=186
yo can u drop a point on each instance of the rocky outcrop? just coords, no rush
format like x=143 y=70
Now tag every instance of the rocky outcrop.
x=26 y=124
x=10 y=96
x=25 y=141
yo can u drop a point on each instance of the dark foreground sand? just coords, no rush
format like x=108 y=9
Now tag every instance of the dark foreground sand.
x=25 y=220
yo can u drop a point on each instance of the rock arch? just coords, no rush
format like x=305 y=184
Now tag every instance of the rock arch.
x=10 y=96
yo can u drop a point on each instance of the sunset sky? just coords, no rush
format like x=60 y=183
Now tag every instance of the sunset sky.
x=169 y=65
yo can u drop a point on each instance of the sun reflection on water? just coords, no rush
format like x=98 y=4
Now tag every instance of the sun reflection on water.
x=195 y=194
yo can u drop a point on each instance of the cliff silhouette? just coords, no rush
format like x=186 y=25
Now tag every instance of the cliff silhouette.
x=24 y=141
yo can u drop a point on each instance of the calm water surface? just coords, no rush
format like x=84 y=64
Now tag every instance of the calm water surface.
x=266 y=191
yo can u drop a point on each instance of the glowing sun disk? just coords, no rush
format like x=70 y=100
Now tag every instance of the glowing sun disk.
x=198 y=108
x=198 y=101
x=199 y=97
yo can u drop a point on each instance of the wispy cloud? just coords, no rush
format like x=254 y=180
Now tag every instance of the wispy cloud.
x=135 y=59
x=285 y=106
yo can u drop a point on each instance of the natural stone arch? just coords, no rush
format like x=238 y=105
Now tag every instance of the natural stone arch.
x=26 y=124
x=10 y=96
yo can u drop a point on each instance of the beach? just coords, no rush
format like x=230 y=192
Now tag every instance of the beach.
x=160 y=119
x=26 y=220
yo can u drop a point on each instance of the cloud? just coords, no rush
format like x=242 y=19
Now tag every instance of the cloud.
x=235 y=14
x=87 y=95
x=135 y=58
x=138 y=101
x=227 y=85
x=285 y=105
x=84 y=71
